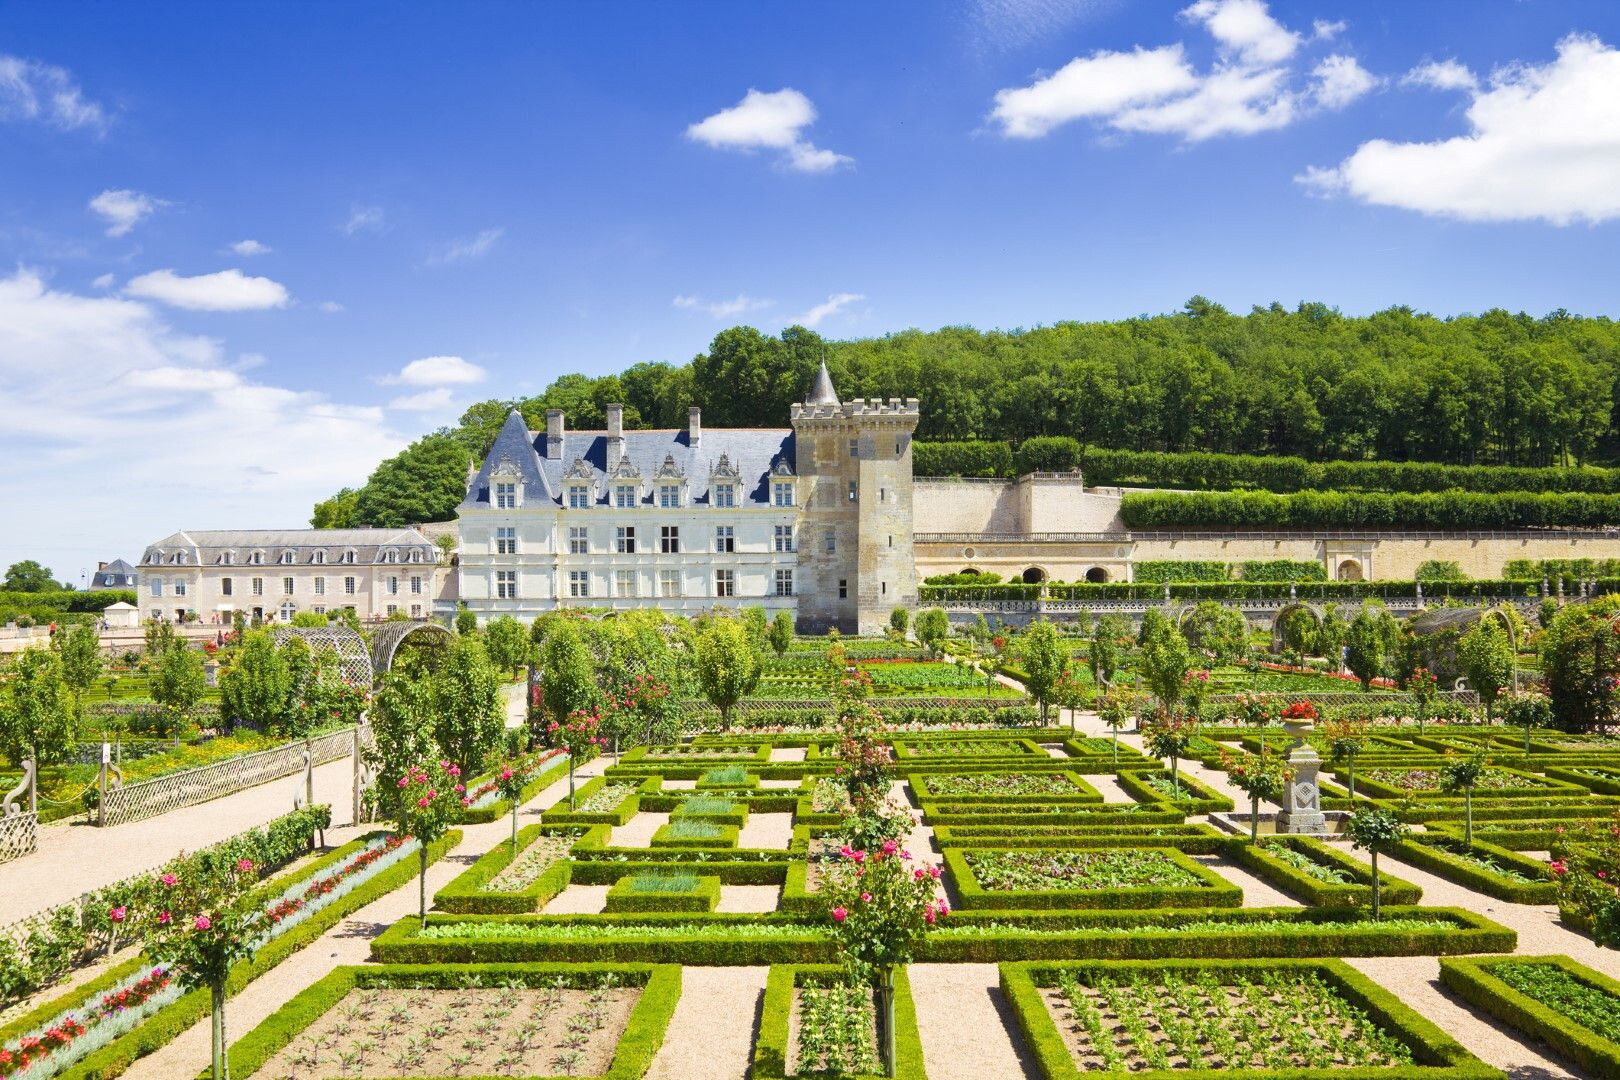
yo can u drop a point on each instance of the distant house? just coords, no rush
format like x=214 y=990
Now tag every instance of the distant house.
x=117 y=574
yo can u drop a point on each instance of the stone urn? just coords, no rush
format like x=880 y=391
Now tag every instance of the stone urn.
x=1302 y=808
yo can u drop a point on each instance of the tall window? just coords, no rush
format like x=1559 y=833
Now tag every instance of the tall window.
x=286 y=586
x=579 y=583
x=579 y=496
x=392 y=608
x=852 y=491
x=506 y=540
x=624 y=583
x=224 y=586
x=782 y=493
x=832 y=542
x=505 y=496
x=624 y=496
x=320 y=558
x=416 y=586
x=669 y=583
x=579 y=540
x=257 y=558
x=784 y=583
x=624 y=539
x=258 y=586
x=843 y=588
x=784 y=538
x=669 y=539
x=179 y=587
x=320 y=586
x=287 y=612
x=725 y=583
x=854 y=448
x=393 y=586
x=506 y=585
x=725 y=539
x=669 y=496
x=348 y=586
x=724 y=496
x=416 y=611
x=227 y=558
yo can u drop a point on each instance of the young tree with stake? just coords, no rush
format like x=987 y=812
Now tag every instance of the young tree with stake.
x=1376 y=831
x=1463 y=774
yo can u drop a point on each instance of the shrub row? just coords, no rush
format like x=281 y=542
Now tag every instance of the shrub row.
x=771 y=1049
x=467 y=895
x=1313 y=890
x=1449 y=510
x=1433 y=855
x=1592 y=1053
x=1233 y=590
x=1214 y=892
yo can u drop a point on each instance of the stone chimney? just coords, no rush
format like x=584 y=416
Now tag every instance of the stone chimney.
x=102 y=565
x=694 y=427
x=555 y=430
x=615 y=435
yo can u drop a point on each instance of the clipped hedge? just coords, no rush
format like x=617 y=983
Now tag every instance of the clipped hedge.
x=974 y=457
x=1431 y=854
x=1203 y=799
x=1301 y=885
x=1214 y=892
x=1472 y=980
x=498 y=809
x=467 y=895
x=1448 y=510
x=625 y=896
x=771 y=1049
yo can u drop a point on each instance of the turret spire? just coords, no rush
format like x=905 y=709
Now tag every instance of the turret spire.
x=822 y=393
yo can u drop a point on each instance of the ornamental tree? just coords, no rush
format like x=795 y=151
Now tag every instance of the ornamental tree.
x=1165 y=662
x=1376 y=831
x=427 y=800
x=469 y=714
x=1364 y=652
x=1168 y=736
x=402 y=718
x=1485 y=657
x=1258 y=711
x=201 y=925
x=728 y=666
x=1463 y=774
x=1529 y=711
x=1346 y=739
x=509 y=782
x=1424 y=688
x=1263 y=776
x=1045 y=661
x=38 y=720
x=82 y=662
x=579 y=734
x=931 y=627
x=258 y=687
x=1117 y=707
x=881 y=905
x=567 y=672
x=780 y=635
x=178 y=682
x=507 y=642
x=1580 y=657
x=899 y=622
x=1103 y=658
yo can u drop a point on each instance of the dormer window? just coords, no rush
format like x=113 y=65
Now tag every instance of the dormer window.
x=724 y=496
x=506 y=496
x=390 y=556
x=782 y=493
x=669 y=496
x=257 y=558
x=624 y=496
x=348 y=556
x=287 y=557
x=179 y=557
x=579 y=496
x=227 y=558
x=319 y=559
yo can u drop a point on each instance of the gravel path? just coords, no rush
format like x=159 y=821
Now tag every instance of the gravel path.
x=76 y=858
x=1257 y=892
x=748 y=899
x=639 y=832
x=766 y=831
x=967 y=1027
x=349 y=942
x=711 y=1035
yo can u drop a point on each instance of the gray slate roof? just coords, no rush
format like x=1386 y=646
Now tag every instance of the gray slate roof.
x=116 y=573
x=205 y=546
x=753 y=452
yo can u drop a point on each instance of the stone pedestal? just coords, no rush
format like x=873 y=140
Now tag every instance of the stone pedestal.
x=1302 y=810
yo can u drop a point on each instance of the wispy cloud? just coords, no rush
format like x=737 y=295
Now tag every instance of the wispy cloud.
x=250 y=248
x=227 y=290
x=437 y=371
x=722 y=309
x=773 y=121
x=828 y=308
x=365 y=219
x=41 y=93
x=426 y=402
x=468 y=248
x=1442 y=75
x=123 y=209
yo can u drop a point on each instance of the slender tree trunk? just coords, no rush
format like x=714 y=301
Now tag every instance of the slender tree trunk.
x=421 y=883
x=1254 y=819
x=1175 y=775
x=1116 y=746
x=514 y=828
x=1375 y=888
x=571 y=780
x=1352 y=779
x=1468 y=818
x=1527 y=736
x=218 y=1033
x=886 y=1018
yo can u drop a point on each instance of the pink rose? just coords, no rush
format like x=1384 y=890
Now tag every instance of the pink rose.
x=404 y=781
x=506 y=774
x=203 y=922
x=455 y=770
x=866 y=898
x=169 y=879
x=423 y=803
x=118 y=914
x=890 y=847
x=933 y=872
x=460 y=788
x=432 y=794
x=164 y=919
x=839 y=914
x=244 y=865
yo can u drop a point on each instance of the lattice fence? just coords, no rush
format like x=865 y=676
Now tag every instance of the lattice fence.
x=19 y=835
x=206 y=782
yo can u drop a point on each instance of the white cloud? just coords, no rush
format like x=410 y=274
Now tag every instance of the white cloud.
x=1324 y=30
x=226 y=290
x=116 y=421
x=1442 y=75
x=1254 y=86
x=832 y=306
x=438 y=371
x=1246 y=28
x=773 y=121
x=32 y=91
x=723 y=309
x=105 y=281
x=330 y=307
x=1339 y=80
x=1543 y=144
x=367 y=219
x=469 y=248
x=249 y=248
x=427 y=401
x=123 y=209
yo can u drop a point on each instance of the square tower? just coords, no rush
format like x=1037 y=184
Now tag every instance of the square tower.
x=855 y=552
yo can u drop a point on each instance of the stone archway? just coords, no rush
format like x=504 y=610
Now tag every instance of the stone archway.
x=1033 y=575
x=1349 y=570
x=1097 y=575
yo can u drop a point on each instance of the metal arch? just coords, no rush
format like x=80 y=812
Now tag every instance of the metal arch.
x=389 y=636
x=354 y=662
x=1317 y=613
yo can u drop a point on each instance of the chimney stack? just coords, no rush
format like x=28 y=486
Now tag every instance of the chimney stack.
x=615 y=435
x=694 y=427
x=554 y=434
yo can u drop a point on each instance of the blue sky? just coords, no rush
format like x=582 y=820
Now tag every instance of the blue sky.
x=519 y=190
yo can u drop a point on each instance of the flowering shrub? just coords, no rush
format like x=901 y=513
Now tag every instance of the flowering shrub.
x=425 y=804
x=1346 y=738
x=580 y=735
x=1586 y=867
x=1263 y=776
x=1424 y=688
x=1300 y=711
x=1194 y=687
x=1168 y=736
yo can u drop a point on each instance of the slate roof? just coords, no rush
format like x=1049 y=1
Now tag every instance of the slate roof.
x=520 y=453
x=205 y=546
x=114 y=574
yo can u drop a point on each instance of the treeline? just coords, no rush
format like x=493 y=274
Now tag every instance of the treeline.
x=1137 y=468
x=1497 y=388
x=1337 y=510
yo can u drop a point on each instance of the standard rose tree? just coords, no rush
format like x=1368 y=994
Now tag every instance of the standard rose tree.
x=428 y=799
x=580 y=735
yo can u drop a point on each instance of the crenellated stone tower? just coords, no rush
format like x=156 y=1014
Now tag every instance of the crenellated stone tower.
x=855 y=553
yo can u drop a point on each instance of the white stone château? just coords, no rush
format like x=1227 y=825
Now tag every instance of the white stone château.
x=814 y=519
x=273 y=574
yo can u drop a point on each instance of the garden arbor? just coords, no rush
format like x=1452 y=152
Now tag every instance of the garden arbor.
x=1292 y=616
x=362 y=665
x=1438 y=631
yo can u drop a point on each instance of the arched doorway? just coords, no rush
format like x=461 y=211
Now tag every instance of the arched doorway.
x=1034 y=575
x=966 y=570
x=1097 y=575
x=1349 y=570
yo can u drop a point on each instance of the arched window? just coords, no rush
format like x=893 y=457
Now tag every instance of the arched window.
x=320 y=558
x=257 y=558
x=1097 y=575
x=287 y=557
x=227 y=558
x=1034 y=575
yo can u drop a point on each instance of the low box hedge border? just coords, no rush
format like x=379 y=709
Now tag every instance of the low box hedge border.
x=644 y=1034
x=1600 y=785
x=168 y=1024
x=1082 y=793
x=1118 y=814
x=771 y=1048
x=1565 y=810
x=1471 y=979
x=736 y=816
x=619 y=816
x=682 y=860
x=906 y=753
x=1198 y=843
x=1429 y=854
x=1205 y=800
x=498 y=809
x=1215 y=892
x=1436 y=1055
x=665 y=837
x=624 y=896
x=1535 y=787
x=1311 y=890
x=466 y=895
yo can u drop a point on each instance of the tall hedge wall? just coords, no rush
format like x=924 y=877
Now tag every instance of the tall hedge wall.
x=1332 y=509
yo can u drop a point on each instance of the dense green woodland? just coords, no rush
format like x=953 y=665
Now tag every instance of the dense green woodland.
x=1490 y=389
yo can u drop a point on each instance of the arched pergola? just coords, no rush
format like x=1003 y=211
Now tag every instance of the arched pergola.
x=354 y=661
x=1463 y=619
x=387 y=638
x=1316 y=613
